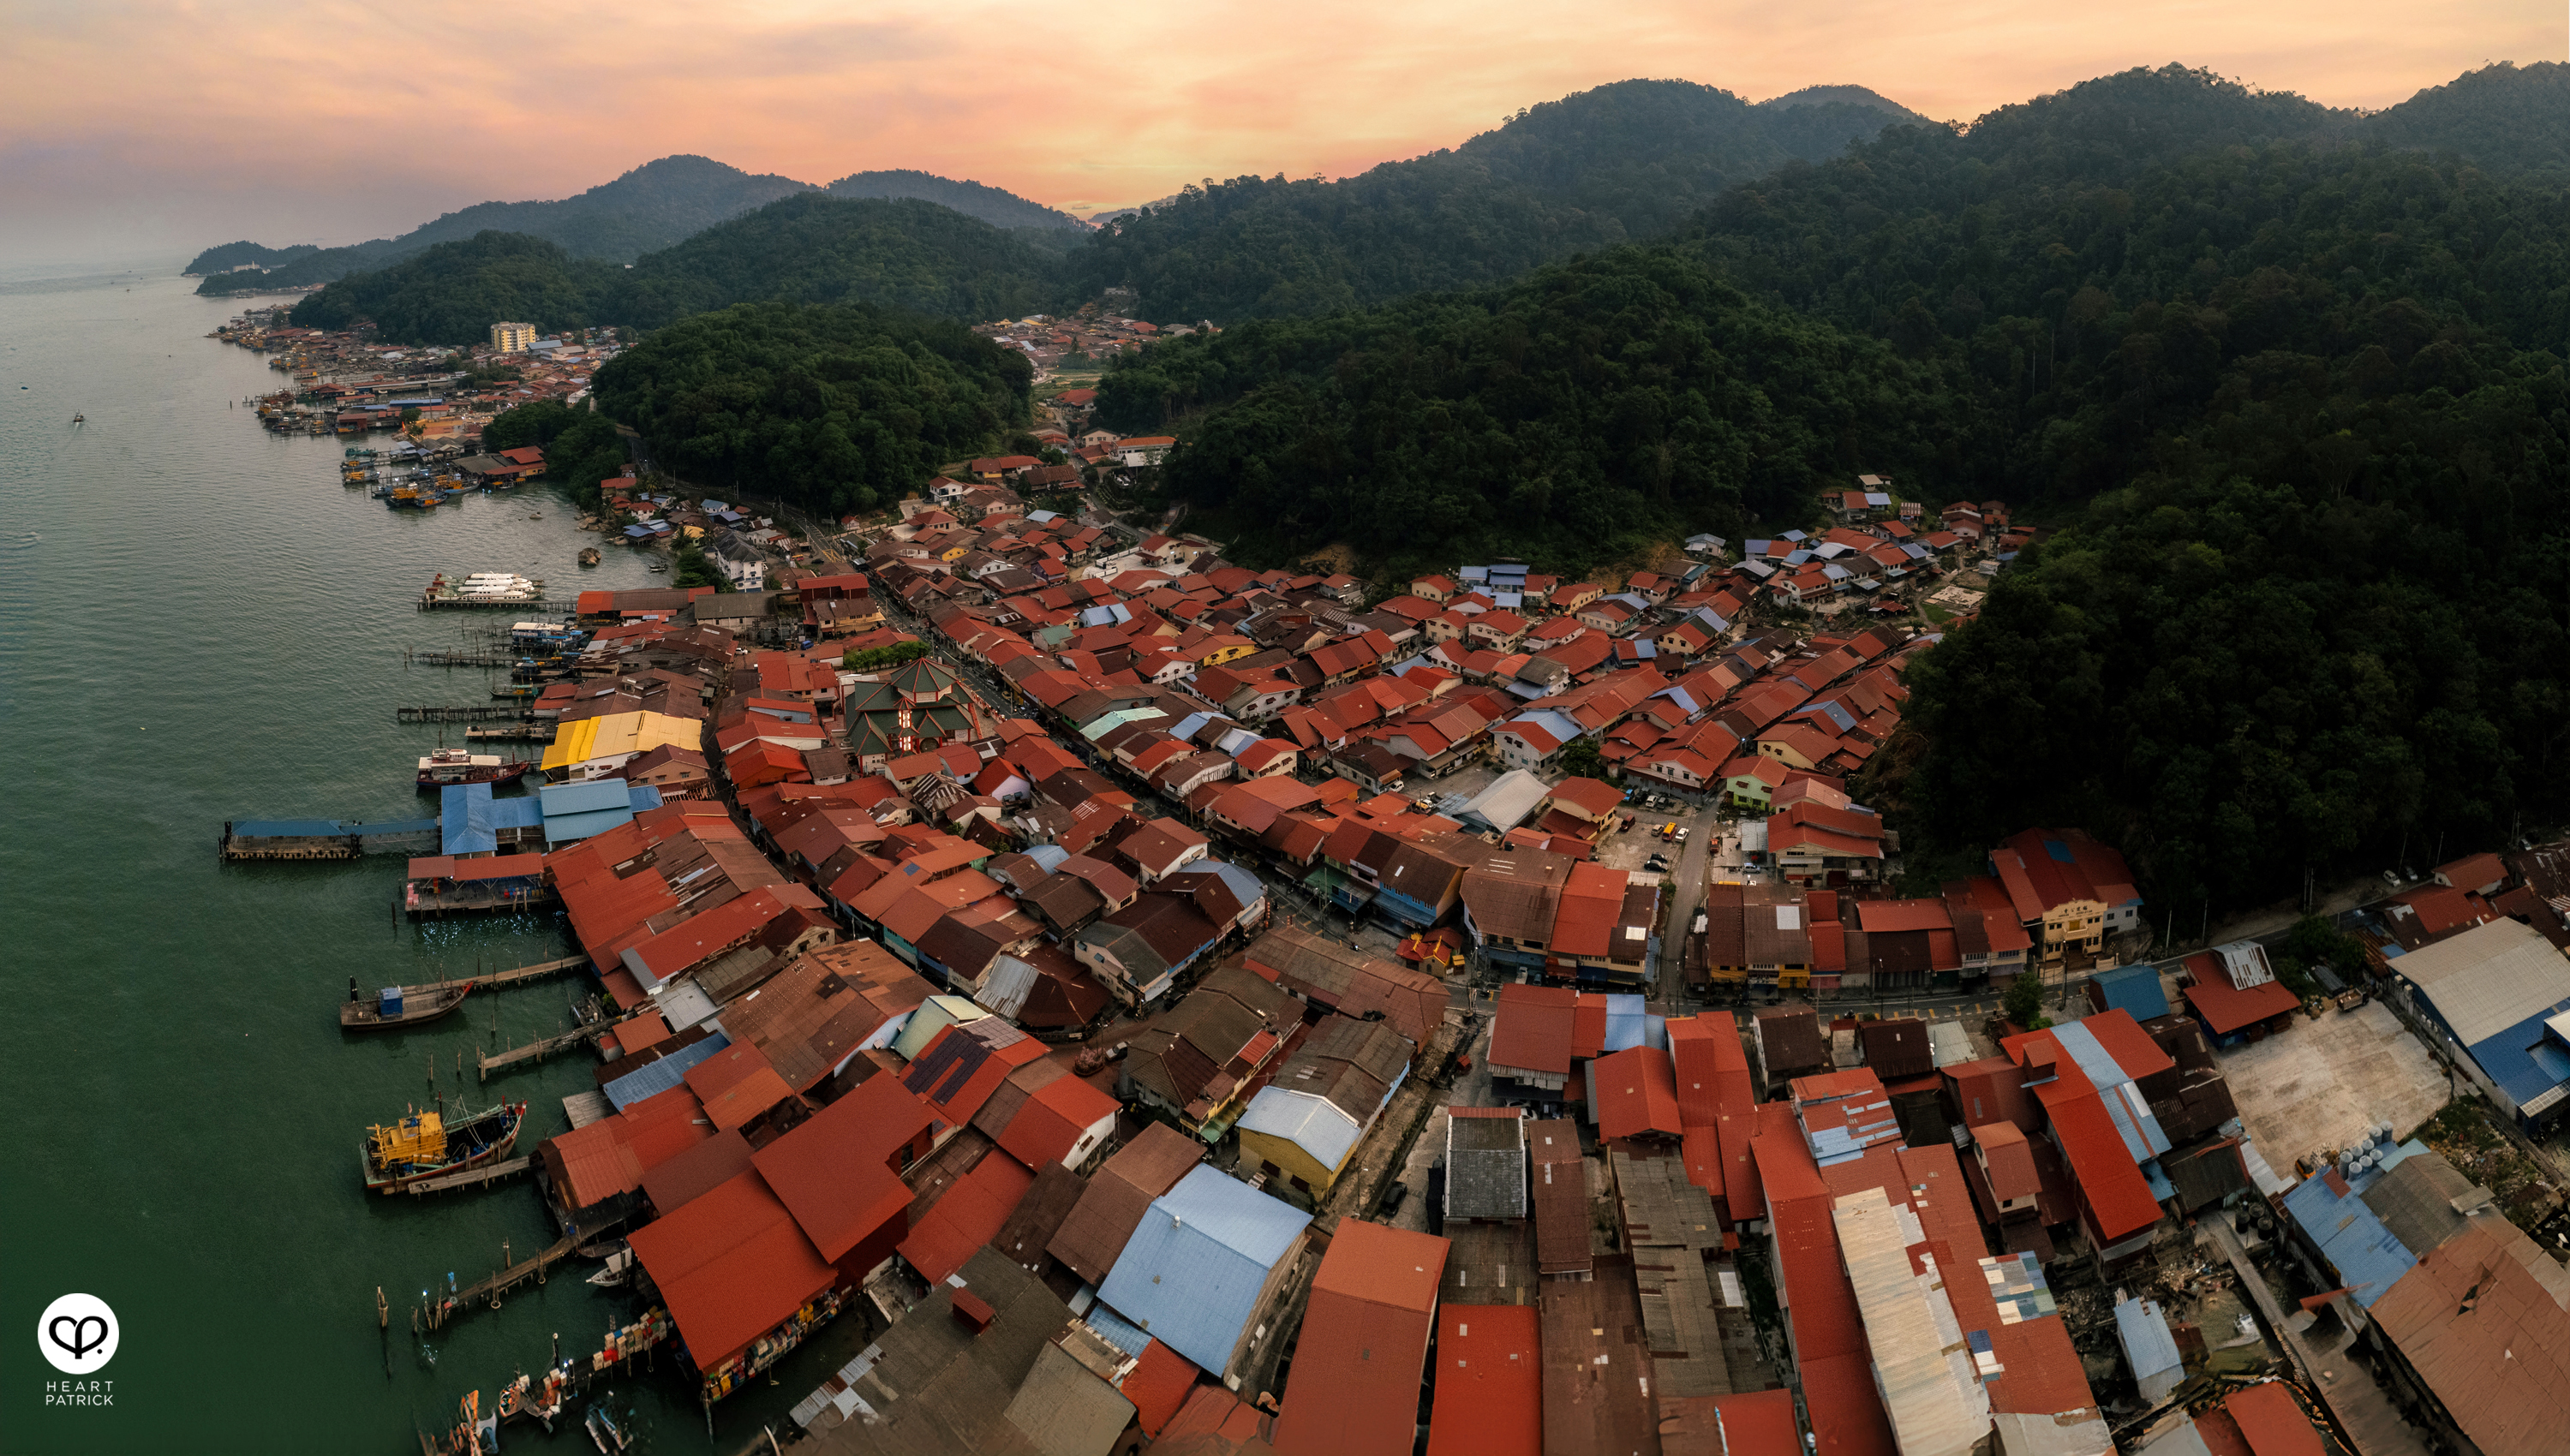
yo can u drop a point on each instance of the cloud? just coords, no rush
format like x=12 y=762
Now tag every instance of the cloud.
x=338 y=120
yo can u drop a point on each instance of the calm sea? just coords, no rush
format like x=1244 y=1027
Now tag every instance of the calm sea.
x=198 y=622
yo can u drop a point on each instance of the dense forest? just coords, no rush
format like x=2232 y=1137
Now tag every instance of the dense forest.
x=830 y=407
x=1570 y=418
x=1590 y=170
x=809 y=248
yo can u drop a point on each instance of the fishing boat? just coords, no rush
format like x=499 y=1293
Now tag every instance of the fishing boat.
x=425 y=1145
x=401 y=1005
x=463 y=766
x=599 y=1420
x=84 y=419
x=485 y=588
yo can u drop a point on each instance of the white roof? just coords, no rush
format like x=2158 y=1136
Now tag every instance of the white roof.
x=1315 y=1124
x=2488 y=979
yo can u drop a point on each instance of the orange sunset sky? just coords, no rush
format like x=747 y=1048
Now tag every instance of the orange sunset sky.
x=135 y=126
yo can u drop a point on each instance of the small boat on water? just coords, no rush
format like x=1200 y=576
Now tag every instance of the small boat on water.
x=84 y=419
x=599 y=1420
x=463 y=766
x=400 y=1005
x=620 y=1267
x=425 y=1145
x=588 y=556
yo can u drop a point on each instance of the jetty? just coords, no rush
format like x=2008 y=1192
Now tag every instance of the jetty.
x=481 y=1177
x=323 y=839
x=514 y=976
x=462 y=713
x=536 y=1051
x=488 y=1291
x=435 y=657
x=524 y=732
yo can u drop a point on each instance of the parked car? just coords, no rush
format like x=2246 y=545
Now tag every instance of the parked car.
x=1392 y=1198
x=1682 y=834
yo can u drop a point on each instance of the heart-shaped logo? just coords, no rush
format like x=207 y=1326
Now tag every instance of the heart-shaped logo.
x=78 y=1334
x=82 y=1340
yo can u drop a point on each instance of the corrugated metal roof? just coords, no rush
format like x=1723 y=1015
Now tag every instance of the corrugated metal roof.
x=1489 y=1382
x=2133 y=989
x=660 y=1076
x=2489 y=979
x=2369 y=1259
x=2144 y=1333
x=1314 y=1123
x=1193 y=1271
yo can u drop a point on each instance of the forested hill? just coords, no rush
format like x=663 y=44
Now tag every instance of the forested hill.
x=808 y=249
x=1590 y=170
x=653 y=206
x=834 y=408
x=973 y=199
x=2514 y=119
x=2298 y=399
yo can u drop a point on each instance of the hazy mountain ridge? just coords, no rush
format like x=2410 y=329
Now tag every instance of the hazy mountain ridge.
x=656 y=206
x=992 y=205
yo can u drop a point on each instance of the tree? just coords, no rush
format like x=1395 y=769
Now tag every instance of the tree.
x=2025 y=1001
x=876 y=659
x=1582 y=759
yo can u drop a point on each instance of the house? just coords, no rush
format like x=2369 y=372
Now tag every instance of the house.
x=2071 y=890
x=2234 y=992
x=1111 y=1206
x=1486 y=1163
x=1490 y=1384
x=1362 y=1353
x=1202 y=1262
x=1303 y=1126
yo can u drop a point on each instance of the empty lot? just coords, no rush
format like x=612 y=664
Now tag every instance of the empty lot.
x=2324 y=1082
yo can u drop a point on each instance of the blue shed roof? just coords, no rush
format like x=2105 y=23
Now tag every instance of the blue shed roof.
x=2144 y=1333
x=2364 y=1253
x=2521 y=1060
x=464 y=820
x=664 y=1074
x=582 y=797
x=2133 y=989
x=1116 y=1330
x=1193 y=1271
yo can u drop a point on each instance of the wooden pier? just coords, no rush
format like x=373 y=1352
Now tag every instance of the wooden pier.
x=487 y=1292
x=522 y=733
x=471 y=1177
x=432 y=657
x=536 y=1051
x=474 y=713
x=514 y=976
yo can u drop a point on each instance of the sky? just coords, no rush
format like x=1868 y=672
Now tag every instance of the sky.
x=133 y=127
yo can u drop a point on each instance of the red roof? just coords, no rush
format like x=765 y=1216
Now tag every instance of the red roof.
x=2126 y=1041
x=1354 y=1390
x=2273 y=1422
x=1157 y=1385
x=2112 y=1188
x=1050 y=1123
x=1489 y=1382
x=2224 y=1007
x=737 y=1084
x=1711 y=1069
x=834 y=1173
x=1701 y=1149
x=1877 y=915
x=1531 y=1029
x=1759 y=1424
x=1829 y=1331
x=967 y=1216
x=732 y=1265
x=1637 y=1094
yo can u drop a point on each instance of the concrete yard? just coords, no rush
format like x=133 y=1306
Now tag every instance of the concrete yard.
x=2324 y=1082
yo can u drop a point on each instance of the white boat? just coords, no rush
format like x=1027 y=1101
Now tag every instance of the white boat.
x=620 y=1267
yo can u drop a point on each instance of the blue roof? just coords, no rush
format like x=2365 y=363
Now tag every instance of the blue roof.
x=1625 y=1022
x=2143 y=1138
x=464 y=820
x=582 y=797
x=2144 y=1333
x=564 y=829
x=2060 y=852
x=2520 y=1060
x=2133 y=989
x=664 y=1074
x=1192 y=1271
x=1474 y=574
x=2366 y=1255
x=1116 y=1330
x=1048 y=855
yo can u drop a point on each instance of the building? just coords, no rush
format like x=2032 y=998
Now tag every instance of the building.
x=1489 y=1382
x=2234 y=992
x=1363 y=1351
x=1305 y=1125
x=513 y=338
x=2071 y=890
x=2498 y=996
x=1486 y=1163
x=1206 y=1256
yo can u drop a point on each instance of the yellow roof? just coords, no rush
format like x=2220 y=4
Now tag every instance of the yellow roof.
x=614 y=735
